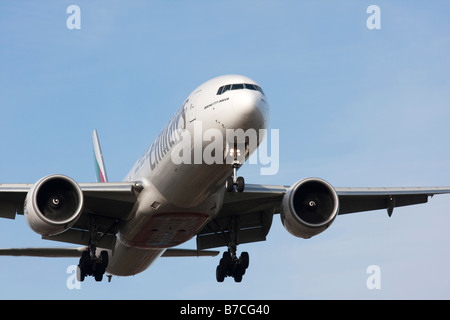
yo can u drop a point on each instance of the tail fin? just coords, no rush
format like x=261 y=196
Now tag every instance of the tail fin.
x=98 y=157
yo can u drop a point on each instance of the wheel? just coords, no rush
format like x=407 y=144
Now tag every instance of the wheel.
x=220 y=274
x=226 y=260
x=98 y=275
x=244 y=260
x=84 y=266
x=229 y=184
x=104 y=258
x=85 y=259
x=240 y=184
x=80 y=274
x=238 y=277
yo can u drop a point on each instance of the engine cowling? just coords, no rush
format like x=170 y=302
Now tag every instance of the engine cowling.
x=53 y=205
x=309 y=207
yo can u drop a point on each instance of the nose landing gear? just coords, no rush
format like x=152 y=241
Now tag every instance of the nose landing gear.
x=238 y=154
x=234 y=180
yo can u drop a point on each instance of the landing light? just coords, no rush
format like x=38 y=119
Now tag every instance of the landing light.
x=238 y=152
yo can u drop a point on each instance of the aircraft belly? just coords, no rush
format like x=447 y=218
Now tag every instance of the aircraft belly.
x=158 y=223
x=164 y=230
x=127 y=261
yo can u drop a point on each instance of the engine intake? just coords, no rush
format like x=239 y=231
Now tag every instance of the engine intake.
x=53 y=205
x=309 y=207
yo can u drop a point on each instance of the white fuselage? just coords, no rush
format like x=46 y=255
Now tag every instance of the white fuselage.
x=184 y=171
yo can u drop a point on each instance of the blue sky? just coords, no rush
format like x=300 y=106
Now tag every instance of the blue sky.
x=354 y=106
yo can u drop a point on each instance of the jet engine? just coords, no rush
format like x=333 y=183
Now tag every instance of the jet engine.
x=53 y=205
x=309 y=207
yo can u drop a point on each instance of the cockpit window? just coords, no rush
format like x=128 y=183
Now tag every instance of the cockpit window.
x=226 y=88
x=239 y=86
x=259 y=89
x=254 y=87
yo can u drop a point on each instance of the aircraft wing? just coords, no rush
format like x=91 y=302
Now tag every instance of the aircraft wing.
x=247 y=216
x=105 y=203
x=353 y=200
x=244 y=217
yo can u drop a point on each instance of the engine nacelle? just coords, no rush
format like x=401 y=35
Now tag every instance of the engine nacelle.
x=53 y=205
x=309 y=207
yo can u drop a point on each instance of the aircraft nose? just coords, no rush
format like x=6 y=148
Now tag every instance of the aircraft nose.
x=251 y=111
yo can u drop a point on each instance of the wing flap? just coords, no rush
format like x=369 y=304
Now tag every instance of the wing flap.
x=237 y=229
x=111 y=200
x=189 y=253
x=105 y=240
x=244 y=217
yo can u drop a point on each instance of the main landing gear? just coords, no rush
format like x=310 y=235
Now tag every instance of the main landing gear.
x=232 y=266
x=92 y=265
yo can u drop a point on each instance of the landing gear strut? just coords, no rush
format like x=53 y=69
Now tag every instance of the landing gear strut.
x=90 y=263
x=239 y=152
x=232 y=266
x=234 y=180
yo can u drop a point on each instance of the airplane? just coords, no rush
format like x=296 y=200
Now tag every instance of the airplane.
x=186 y=185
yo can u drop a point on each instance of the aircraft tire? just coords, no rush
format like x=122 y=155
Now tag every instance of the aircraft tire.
x=220 y=274
x=229 y=184
x=240 y=184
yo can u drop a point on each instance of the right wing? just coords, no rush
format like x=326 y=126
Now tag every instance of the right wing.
x=244 y=217
x=353 y=200
x=247 y=216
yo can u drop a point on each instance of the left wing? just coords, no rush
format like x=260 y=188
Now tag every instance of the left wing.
x=247 y=216
x=105 y=204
